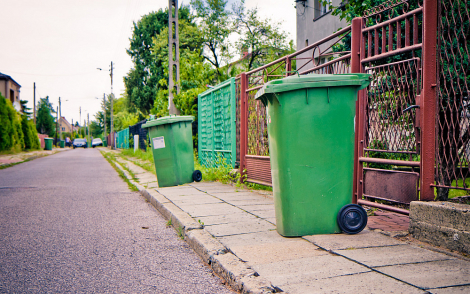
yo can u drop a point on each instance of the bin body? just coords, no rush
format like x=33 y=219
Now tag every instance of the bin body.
x=62 y=144
x=172 y=146
x=105 y=142
x=311 y=144
x=48 y=143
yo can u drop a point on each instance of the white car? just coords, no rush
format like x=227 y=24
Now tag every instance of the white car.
x=96 y=142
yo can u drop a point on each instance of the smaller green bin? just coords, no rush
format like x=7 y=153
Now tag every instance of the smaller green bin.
x=62 y=144
x=172 y=147
x=105 y=142
x=48 y=143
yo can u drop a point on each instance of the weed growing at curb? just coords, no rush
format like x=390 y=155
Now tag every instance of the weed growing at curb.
x=180 y=233
x=109 y=157
x=169 y=223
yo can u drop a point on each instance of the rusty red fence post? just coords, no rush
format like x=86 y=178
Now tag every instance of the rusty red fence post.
x=243 y=124
x=356 y=35
x=428 y=100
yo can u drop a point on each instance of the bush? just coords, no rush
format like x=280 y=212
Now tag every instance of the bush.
x=11 y=133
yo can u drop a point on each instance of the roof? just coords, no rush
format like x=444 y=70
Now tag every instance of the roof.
x=7 y=77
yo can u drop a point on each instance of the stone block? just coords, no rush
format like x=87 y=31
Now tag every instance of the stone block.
x=442 y=224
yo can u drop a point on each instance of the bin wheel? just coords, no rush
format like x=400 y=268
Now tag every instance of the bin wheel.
x=352 y=219
x=197 y=176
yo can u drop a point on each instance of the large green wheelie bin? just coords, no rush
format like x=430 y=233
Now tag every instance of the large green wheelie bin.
x=172 y=146
x=311 y=143
x=48 y=143
x=62 y=144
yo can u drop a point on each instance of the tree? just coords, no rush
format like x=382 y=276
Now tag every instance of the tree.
x=195 y=73
x=45 y=123
x=262 y=39
x=216 y=27
x=142 y=80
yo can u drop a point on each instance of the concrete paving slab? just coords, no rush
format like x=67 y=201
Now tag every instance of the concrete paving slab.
x=260 y=201
x=392 y=255
x=146 y=178
x=254 y=239
x=271 y=220
x=434 y=274
x=215 y=187
x=288 y=249
x=229 y=218
x=307 y=269
x=195 y=199
x=211 y=209
x=257 y=207
x=245 y=227
x=263 y=213
x=151 y=185
x=369 y=282
x=240 y=196
x=364 y=239
x=183 y=190
x=451 y=290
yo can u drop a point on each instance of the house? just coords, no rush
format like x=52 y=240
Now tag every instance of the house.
x=10 y=89
x=64 y=125
x=315 y=22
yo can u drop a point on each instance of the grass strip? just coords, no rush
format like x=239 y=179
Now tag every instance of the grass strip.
x=109 y=157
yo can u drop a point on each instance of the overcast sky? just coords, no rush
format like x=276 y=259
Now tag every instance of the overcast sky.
x=59 y=44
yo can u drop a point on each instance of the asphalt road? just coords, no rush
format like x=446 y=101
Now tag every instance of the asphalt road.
x=69 y=224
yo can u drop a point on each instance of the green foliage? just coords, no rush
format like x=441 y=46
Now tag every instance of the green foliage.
x=216 y=27
x=262 y=38
x=45 y=123
x=31 y=139
x=195 y=74
x=219 y=173
x=11 y=134
x=142 y=80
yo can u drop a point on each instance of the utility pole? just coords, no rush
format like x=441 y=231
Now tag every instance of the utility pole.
x=88 y=137
x=174 y=63
x=34 y=104
x=80 y=121
x=56 y=124
x=104 y=113
x=60 y=117
x=112 y=98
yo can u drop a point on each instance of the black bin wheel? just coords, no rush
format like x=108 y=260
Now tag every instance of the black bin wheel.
x=197 y=176
x=352 y=219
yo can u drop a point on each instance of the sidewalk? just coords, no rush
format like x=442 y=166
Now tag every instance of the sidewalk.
x=233 y=230
x=10 y=159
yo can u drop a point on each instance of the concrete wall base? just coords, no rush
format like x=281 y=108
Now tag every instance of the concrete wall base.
x=442 y=224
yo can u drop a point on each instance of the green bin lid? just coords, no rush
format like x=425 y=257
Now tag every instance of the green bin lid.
x=314 y=81
x=168 y=120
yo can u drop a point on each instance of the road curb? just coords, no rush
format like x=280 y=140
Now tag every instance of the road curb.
x=224 y=263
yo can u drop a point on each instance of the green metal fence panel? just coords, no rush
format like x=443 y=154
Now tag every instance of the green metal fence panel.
x=122 y=139
x=217 y=138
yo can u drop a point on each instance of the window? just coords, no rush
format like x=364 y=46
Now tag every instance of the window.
x=63 y=129
x=320 y=9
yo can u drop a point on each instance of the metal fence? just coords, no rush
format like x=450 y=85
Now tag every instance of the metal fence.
x=138 y=130
x=453 y=106
x=122 y=139
x=318 y=58
x=217 y=124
